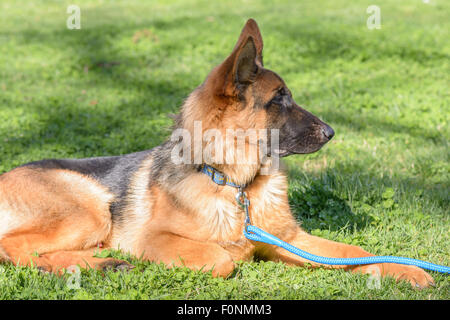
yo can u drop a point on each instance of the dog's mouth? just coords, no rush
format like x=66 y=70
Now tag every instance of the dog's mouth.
x=281 y=153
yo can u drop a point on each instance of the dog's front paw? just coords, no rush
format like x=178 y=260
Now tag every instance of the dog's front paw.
x=115 y=265
x=416 y=276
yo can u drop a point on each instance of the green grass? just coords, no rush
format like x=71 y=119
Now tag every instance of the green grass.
x=107 y=89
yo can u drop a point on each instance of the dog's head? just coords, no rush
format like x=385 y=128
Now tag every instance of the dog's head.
x=241 y=94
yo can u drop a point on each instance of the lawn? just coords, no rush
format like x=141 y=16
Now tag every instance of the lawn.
x=109 y=88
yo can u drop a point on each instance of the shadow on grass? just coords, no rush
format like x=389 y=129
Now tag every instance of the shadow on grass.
x=320 y=200
x=330 y=45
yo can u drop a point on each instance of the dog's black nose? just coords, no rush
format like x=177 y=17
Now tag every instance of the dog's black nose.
x=328 y=132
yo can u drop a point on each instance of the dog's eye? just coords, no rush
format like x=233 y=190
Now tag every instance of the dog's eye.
x=279 y=98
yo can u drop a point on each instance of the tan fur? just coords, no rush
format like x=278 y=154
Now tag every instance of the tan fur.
x=46 y=217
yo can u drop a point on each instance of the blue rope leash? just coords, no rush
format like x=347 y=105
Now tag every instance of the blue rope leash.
x=254 y=233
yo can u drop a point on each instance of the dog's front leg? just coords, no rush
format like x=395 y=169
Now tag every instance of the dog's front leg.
x=174 y=250
x=327 y=248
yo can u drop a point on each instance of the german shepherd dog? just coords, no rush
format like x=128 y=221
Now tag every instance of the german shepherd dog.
x=57 y=213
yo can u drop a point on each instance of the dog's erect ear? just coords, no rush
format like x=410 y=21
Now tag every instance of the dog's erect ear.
x=241 y=66
x=245 y=67
x=251 y=30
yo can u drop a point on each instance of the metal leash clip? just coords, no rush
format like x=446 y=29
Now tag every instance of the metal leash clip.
x=244 y=203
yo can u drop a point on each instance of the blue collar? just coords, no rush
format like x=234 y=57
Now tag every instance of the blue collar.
x=218 y=177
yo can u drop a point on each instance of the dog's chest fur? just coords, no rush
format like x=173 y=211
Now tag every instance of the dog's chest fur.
x=216 y=213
